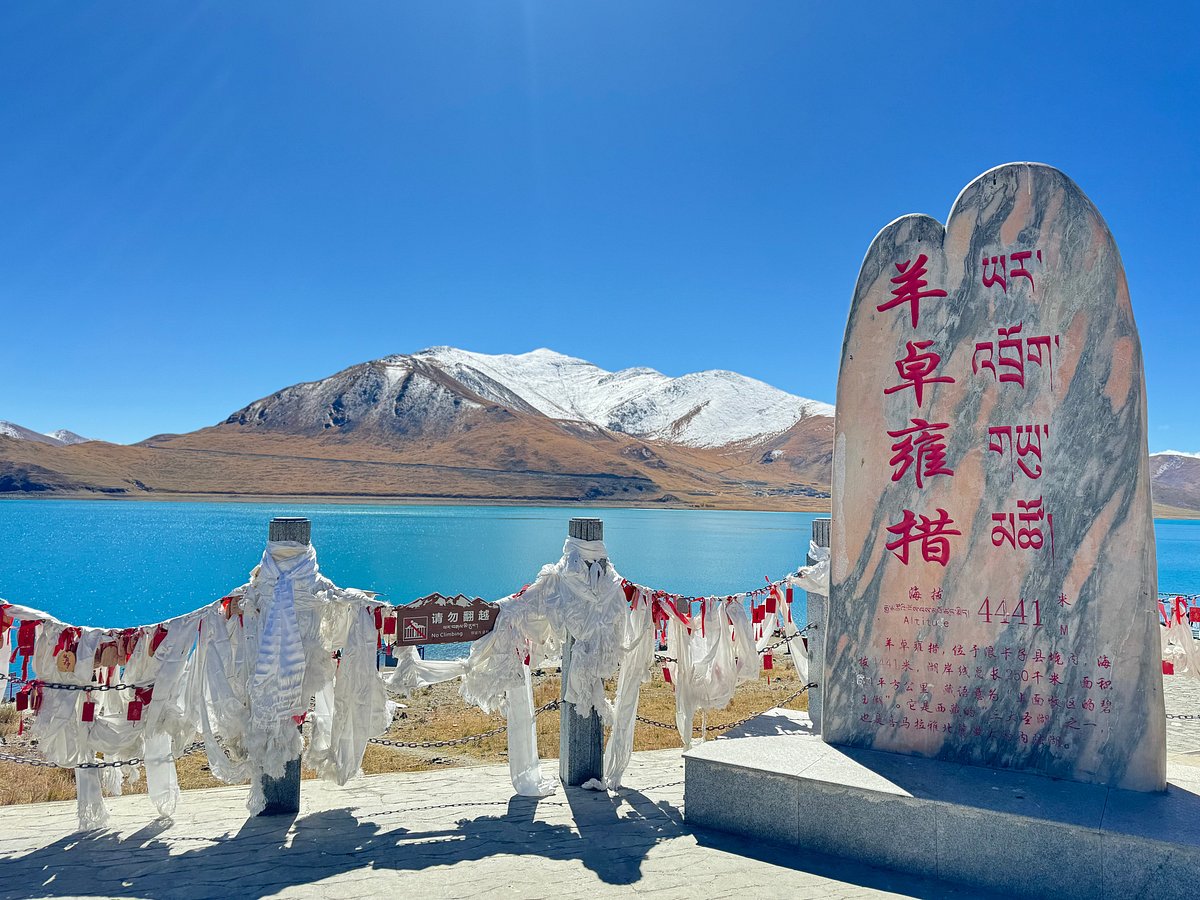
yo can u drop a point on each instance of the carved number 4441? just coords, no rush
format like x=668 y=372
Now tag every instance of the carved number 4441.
x=1016 y=616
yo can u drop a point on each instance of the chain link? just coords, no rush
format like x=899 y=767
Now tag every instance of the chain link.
x=193 y=747
x=740 y=722
x=46 y=764
x=784 y=641
x=63 y=686
x=1181 y=716
x=115 y=764
x=27 y=761
x=725 y=727
x=454 y=742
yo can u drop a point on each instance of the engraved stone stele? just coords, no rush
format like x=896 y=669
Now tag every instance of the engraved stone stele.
x=993 y=577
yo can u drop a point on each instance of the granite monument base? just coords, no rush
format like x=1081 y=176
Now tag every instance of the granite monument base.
x=774 y=779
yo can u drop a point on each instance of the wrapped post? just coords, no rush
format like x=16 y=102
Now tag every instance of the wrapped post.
x=580 y=738
x=816 y=610
x=283 y=794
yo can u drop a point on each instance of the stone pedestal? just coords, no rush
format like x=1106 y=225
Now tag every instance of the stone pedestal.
x=580 y=739
x=816 y=615
x=1022 y=834
x=283 y=794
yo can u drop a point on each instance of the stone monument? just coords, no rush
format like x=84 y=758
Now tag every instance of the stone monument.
x=993 y=582
x=992 y=615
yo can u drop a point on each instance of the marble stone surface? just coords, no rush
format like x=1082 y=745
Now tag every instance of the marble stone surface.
x=993 y=579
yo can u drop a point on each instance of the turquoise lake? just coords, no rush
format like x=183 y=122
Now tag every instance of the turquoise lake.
x=123 y=563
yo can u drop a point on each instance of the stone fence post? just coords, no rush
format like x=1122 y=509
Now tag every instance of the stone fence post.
x=283 y=794
x=817 y=610
x=580 y=739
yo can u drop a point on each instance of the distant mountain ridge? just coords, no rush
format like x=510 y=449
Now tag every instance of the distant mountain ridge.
x=450 y=425
x=445 y=424
x=432 y=389
x=1175 y=478
x=60 y=438
x=703 y=409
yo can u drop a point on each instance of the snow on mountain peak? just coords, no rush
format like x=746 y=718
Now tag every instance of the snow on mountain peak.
x=68 y=438
x=701 y=409
x=60 y=438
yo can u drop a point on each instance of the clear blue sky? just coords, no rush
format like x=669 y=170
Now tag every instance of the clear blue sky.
x=203 y=202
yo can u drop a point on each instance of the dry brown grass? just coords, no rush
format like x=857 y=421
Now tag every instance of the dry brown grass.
x=28 y=784
x=436 y=713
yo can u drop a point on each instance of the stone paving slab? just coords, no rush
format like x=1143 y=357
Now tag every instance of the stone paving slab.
x=457 y=833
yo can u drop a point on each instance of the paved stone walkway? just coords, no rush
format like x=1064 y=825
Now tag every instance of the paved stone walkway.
x=1182 y=695
x=456 y=833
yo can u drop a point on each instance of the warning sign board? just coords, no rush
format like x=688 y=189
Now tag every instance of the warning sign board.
x=445 y=620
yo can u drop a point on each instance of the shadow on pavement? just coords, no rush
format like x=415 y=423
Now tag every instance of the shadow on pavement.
x=610 y=836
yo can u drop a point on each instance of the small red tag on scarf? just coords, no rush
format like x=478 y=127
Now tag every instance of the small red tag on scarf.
x=89 y=711
x=160 y=633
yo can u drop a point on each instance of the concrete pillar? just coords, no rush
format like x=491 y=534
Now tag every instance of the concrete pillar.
x=283 y=794
x=580 y=739
x=818 y=609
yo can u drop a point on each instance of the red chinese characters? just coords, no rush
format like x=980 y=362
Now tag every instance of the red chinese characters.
x=921 y=447
x=932 y=534
x=910 y=288
x=916 y=370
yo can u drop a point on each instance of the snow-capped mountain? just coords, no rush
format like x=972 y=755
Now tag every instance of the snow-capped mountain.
x=1175 y=476
x=434 y=388
x=67 y=438
x=1172 y=457
x=60 y=438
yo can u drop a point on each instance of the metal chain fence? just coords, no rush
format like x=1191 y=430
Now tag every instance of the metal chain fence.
x=727 y=725
x=193 y=747
x=453 y=742
x=63 y=686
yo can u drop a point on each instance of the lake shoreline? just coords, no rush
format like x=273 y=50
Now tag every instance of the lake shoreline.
x=816 y=506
